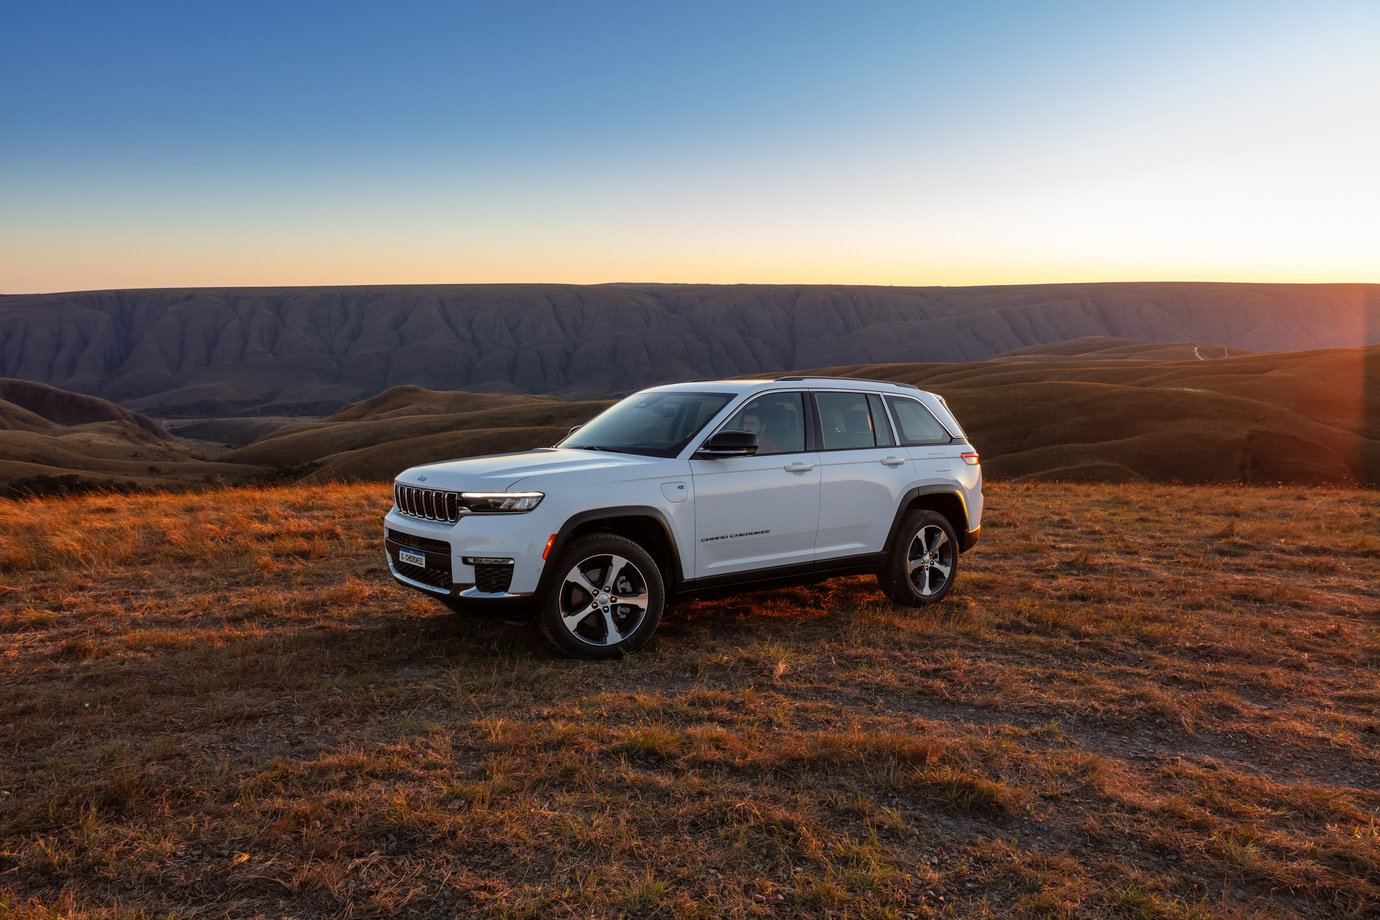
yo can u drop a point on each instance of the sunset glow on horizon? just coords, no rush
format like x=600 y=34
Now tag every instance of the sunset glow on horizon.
x=160 y=145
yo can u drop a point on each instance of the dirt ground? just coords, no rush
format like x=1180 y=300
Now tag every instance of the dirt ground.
x=1139 y=701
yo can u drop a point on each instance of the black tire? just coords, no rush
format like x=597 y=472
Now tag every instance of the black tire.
x=923 y=561
x=605 y=600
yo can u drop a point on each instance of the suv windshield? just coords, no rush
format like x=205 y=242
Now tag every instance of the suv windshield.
x=654 y=424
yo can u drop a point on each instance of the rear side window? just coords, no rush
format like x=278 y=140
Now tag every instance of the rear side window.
x=916 y=423
x=845 y=421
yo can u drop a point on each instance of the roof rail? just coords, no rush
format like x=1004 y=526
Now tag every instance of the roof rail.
x=794 y=377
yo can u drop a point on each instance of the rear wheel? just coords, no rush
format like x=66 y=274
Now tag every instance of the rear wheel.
x=606 y=600
x=923 y=562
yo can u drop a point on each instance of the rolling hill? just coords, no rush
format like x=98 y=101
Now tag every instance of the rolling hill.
x=1120 y=411
x=270 y=351
x=1103 y=410
x=54 y=440
x=1091 y=410
x=403 y=426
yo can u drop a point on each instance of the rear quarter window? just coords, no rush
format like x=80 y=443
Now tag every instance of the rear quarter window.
x=916 y=424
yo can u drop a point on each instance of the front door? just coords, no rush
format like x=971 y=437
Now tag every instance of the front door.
x=759 y=512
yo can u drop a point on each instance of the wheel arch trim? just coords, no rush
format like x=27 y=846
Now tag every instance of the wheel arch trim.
x=966 y=538
x=577 y=521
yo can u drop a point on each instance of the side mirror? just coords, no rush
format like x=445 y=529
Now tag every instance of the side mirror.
x=728 y=444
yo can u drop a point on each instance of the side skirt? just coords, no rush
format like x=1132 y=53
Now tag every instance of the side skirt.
x=781 y=576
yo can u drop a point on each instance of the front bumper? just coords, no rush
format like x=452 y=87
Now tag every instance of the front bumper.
x=456 y=555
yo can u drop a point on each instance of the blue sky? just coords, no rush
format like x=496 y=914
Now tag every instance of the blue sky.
x=891 y=143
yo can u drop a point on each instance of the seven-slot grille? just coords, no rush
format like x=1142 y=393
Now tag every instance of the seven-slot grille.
x=432 y=504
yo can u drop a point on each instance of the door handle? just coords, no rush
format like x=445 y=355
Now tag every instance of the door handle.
x=892 y=461
x=799 y=467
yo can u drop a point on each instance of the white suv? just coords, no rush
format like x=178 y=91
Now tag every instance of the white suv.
x=696 y=487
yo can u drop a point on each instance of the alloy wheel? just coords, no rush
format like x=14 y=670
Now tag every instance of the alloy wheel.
x=603 y=599
x=930 y=560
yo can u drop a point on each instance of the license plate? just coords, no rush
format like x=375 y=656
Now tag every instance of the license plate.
x=411 y=558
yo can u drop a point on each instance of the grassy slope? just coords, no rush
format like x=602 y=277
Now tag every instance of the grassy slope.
x=1132 y=411
x=1112 y=410
x=48 y=433
x=377 y=438
x=1089 y=410
x=1141 y=701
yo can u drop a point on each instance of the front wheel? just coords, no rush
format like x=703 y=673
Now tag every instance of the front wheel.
x=923 y=562
x=606 y=600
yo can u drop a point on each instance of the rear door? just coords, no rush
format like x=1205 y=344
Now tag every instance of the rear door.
x=863 y=474
x=925 y=438
x=759 y=512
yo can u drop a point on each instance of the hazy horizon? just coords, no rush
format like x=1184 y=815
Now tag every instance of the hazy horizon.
x=156 y=145
x=644 y=284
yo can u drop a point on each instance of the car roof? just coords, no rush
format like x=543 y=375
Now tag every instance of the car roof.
x=794 y=382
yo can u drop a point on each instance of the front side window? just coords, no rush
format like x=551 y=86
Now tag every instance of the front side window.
x=916 y=423
x=653 y=424
x=778 y=420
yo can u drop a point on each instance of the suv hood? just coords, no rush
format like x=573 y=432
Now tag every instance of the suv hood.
x=501 y=471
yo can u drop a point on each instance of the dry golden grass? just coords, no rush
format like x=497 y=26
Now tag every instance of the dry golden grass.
x=1141 y=701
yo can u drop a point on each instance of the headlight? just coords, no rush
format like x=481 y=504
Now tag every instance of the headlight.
x=505 y=502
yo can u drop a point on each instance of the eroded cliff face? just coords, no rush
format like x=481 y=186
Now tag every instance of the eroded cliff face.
x=258 y=349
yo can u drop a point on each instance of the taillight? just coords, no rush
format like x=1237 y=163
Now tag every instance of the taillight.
x=969 y=457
